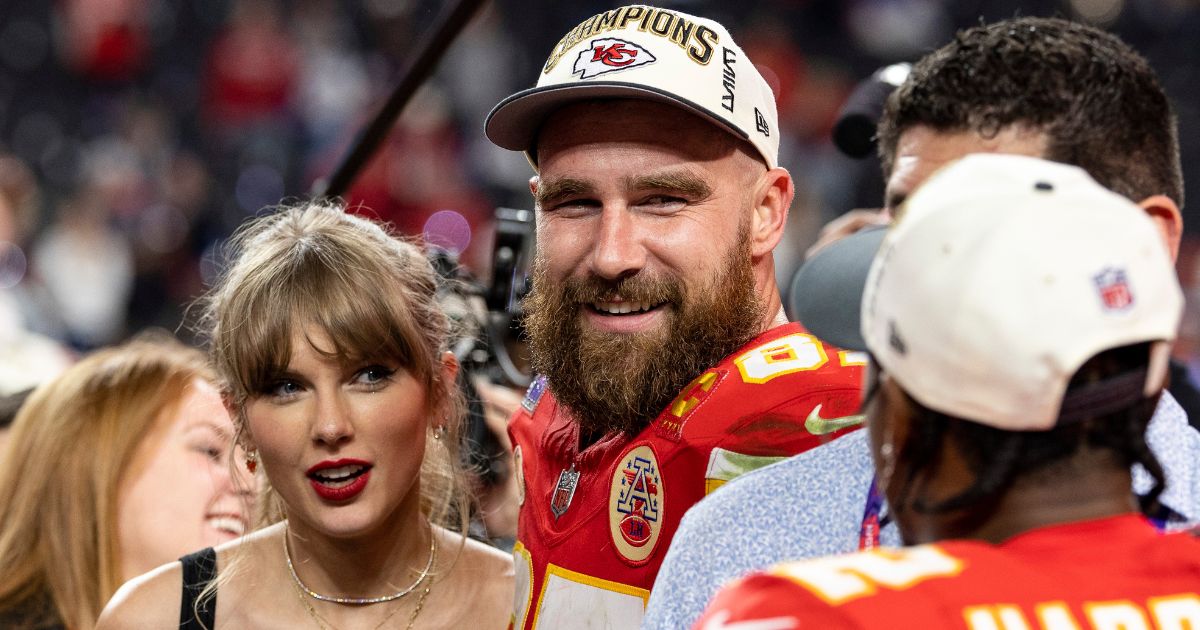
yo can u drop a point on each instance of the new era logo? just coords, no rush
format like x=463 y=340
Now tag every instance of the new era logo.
x=760 y=123
x=609 y=55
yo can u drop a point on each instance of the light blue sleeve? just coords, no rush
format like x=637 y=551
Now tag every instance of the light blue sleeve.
x=806 y=506
x=1176 y=444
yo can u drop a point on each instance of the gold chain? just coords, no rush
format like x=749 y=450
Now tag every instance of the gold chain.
x=323 y=624
x=358 y=601
x=412 y=619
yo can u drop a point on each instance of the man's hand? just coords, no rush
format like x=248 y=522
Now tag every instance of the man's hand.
x=848 y=224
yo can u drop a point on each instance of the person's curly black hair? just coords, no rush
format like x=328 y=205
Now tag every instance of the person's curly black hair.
x=1096 y=99
x=997 y=458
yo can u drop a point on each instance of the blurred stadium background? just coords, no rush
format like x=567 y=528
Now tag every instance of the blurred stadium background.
x=135 y=135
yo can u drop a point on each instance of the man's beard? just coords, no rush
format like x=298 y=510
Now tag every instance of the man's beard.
x=622 y=381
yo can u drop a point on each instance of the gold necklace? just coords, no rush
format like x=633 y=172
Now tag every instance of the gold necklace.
x=323 y=624
x=358 y=601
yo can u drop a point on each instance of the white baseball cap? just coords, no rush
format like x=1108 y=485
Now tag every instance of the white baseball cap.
x=645 y=53
x=1001 y=277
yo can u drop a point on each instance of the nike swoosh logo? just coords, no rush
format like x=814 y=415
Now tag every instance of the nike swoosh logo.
x=719 y=621
x=817 y=425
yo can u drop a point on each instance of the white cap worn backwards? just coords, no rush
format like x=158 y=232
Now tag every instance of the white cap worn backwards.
x=646 y=53
x=1001 y=276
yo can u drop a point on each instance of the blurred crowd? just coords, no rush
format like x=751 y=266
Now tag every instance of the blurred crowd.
x=136 y=135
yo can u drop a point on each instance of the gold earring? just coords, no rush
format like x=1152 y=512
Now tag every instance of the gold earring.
x=439 y=432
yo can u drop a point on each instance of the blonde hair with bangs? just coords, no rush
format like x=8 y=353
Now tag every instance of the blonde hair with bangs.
x=372 y=293
x=60 y=476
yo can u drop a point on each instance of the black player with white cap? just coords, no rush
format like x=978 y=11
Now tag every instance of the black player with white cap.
x=1018 y=316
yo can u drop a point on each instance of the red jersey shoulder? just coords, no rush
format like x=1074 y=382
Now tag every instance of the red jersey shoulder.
x=769 y=602
x=785 y=378
x=1047 y=580
x=832 y=592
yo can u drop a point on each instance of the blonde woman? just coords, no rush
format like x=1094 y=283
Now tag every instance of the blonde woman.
x=118 y=465
x=333 y=350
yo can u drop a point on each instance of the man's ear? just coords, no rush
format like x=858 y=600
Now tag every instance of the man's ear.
x=533 y=185
x=1166 y=216
x=772 y=200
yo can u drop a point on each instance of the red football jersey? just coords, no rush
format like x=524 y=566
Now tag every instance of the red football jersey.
x=1116 y=573
x=594 y=525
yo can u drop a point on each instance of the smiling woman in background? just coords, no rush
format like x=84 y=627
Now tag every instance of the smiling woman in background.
x=120 y=464
x=327 y=335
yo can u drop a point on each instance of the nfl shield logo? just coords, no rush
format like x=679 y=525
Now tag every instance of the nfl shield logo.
x=1113 y=288
x=564 y=491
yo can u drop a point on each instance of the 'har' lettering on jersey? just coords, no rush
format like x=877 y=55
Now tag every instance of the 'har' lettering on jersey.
x=594 y=525
x=1108 y=574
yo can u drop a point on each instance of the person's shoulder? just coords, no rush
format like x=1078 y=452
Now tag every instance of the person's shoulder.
x=787 y=355
x=487 y=559
x=1176 y=445
x=841 y=467
x=783 y=392
x=484 y=576
x=766 y=600
x=474 y=564
x=151 y=600
x=845 y=591
x=871 y=579
x=817 y=496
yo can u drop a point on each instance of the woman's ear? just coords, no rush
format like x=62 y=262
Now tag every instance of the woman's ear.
x=449 y=369
x=237 y=414
x=449 y=366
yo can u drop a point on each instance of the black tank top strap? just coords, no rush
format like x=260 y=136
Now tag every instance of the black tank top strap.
x=199 y=570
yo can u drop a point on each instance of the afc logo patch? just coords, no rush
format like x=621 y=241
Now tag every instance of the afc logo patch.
x=635 y=505
x=1113 y=288
x=609 y=55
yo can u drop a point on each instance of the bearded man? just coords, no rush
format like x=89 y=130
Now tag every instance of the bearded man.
x=655 y=321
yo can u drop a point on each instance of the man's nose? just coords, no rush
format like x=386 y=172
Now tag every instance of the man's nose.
x=618 y=251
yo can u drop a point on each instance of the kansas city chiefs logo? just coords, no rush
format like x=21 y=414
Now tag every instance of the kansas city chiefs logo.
x=610 y=55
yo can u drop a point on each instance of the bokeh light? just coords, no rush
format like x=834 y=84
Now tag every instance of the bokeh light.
x=449 y=230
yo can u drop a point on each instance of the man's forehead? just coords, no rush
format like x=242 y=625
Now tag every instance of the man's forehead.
x=922 y=150
x=630 y=121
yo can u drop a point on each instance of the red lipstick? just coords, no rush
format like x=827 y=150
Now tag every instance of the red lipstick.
x=339 y=480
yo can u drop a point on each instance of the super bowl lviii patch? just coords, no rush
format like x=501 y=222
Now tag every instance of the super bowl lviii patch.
x=534 y=393
x=635 y=505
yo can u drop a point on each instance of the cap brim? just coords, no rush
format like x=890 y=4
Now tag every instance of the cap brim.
x=514 y=122
x=826 y=292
